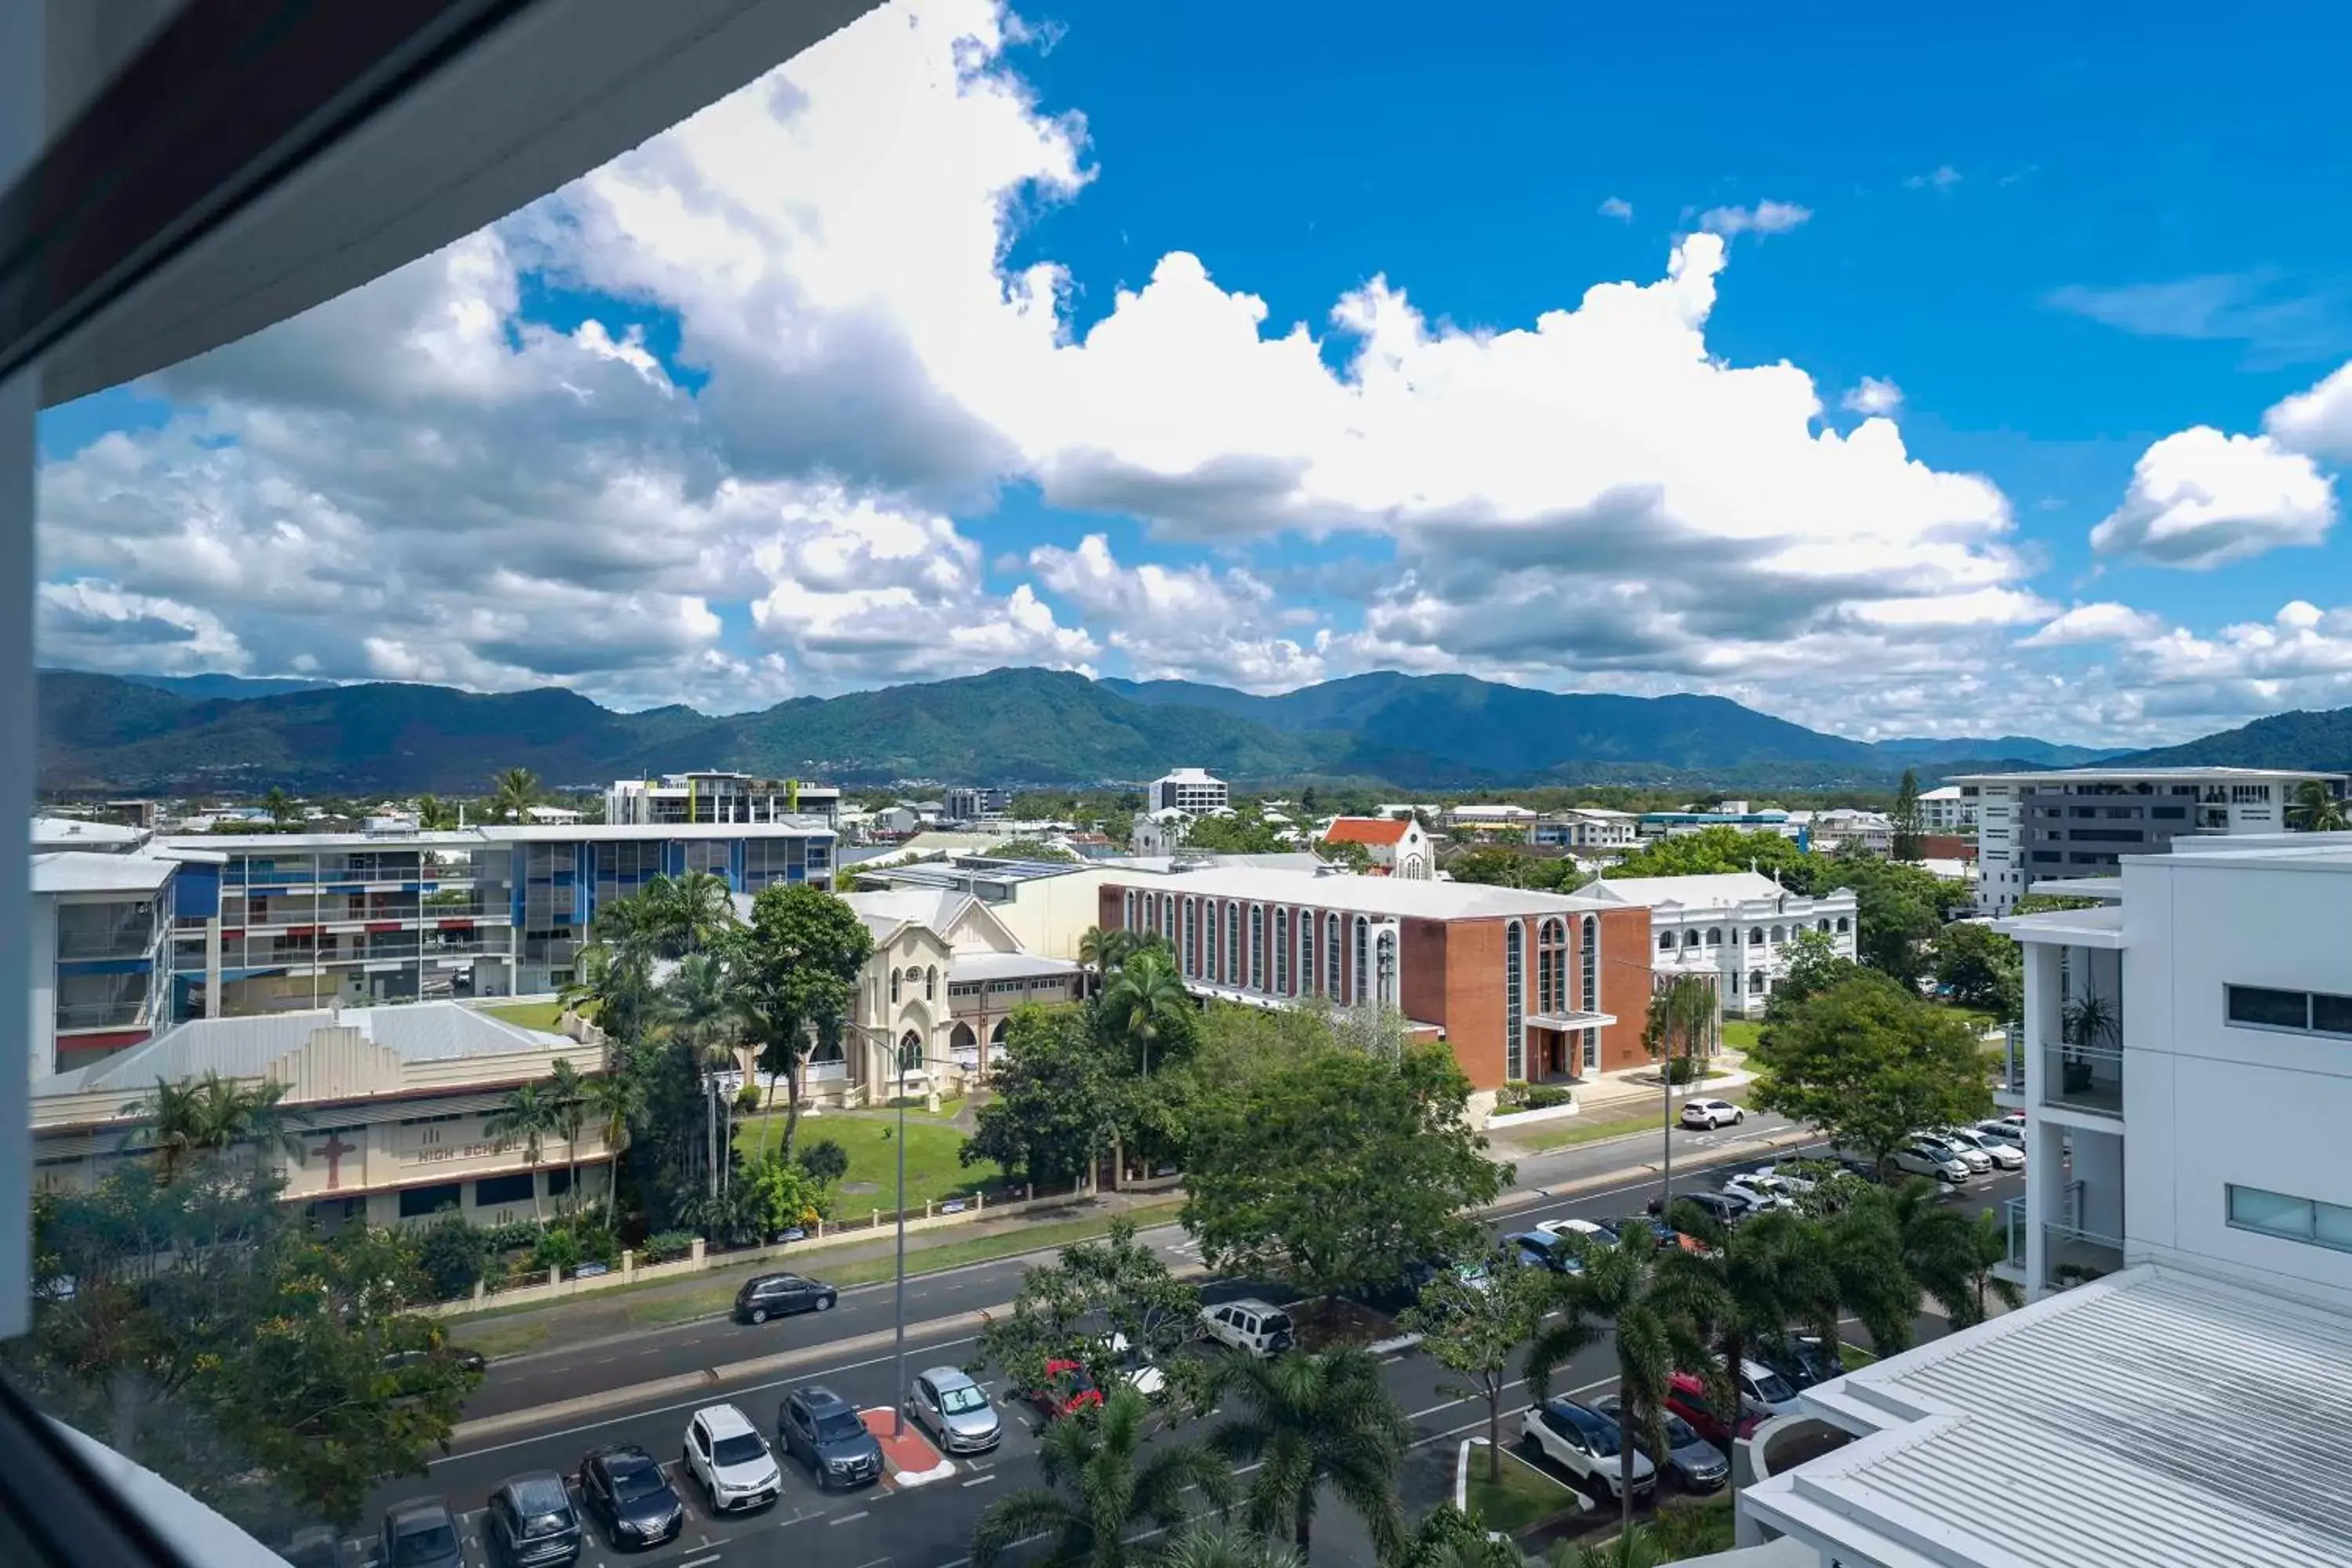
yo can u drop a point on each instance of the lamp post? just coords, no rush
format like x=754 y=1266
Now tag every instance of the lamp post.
x=907 y=1059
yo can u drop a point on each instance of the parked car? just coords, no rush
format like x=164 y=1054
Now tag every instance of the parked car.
x=1556 y=1253
x=420 y=1533
x=1068 y=1389
x=2004 y=1154
x=1583 y=1442
x=1803 y=1359
x=1708 y=1114
x=946 y=1403
x=471 y=1360
x=727 y=1455
x=1931 y=1159
x=1135 y=1365
x=528 y=1522
x=824 y=1431
x=1721 y=1207
x=1591 y=1230
x=1692 y=1462
x=1664 y=1234
x=1796 y=1175
x=1761 y=1191
x=1250 y=1326
x=2002 y=1129
x=1861 y=1167
x=1761 y=1385
x=622 y=1488
x=765 y=1296
x=1968 y=1154
x=1687 y=1398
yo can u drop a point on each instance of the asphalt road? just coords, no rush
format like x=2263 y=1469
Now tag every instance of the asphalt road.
x=930 y=1526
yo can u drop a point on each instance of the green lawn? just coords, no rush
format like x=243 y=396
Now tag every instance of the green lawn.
x=1521 y=1497
x=1739 y=1035
x=932 y=1171
x=1854 y=1356
x=1685 y=1529
x=530 y=1014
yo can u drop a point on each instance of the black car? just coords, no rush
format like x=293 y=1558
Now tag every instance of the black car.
x=1861 y=1166
x=1803 y=1360
x=1720 y=1208
x=530 y=1522
x=1542 y=1248
x=769 y=1296
x=1696 y=1464
x=822 y=1430
x=471 y=1360
x=419 y=1533
x=624 y=1488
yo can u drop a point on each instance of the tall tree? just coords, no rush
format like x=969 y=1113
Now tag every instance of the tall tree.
x=1146 y=1002
x=1100 y=1486
x=1685 y=1013
x=614 y=1099
x=2317 y=809
x=1067 y=1311
x=279 y=806
x=1910 y=823
x=526 y=1115
x=1312 y=1421
x=1809 y=966
x=211 y=1114
x=1054 y=1098
x=694 y=912
x=1104 y=950
x=797 y=971
x=512 y=792
x=567 y=1107
x=1980 y=968
x=1869 y=1065
x=434 y=814
x=1474 y=1328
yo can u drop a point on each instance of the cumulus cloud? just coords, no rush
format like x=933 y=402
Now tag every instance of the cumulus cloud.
x=1873 y=397
x=1942 y=178
x=2105 y=622
x=1764 y=218
x=1617 y=208
x=2317 y=421
x=89 y=624
x=1187 y=623
x=2200 y=499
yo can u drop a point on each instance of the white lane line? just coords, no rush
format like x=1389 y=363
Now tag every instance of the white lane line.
x=982 y=1480
x=699 y=1561
x=845 y=1519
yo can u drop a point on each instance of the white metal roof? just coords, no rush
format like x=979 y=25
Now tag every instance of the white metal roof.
x=507 y=833
x=2129 y=776
x=79 y=833
x=1396 y=898
x=2102 y=927
x=1006 y=966
x=99 y=871
x=2152 y=1419
x=1704 y=891
x=2079 y=886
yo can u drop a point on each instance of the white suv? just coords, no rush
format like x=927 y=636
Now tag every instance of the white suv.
x=2004 y=1155
x=1253 y=1327
x=726 y=1453
x=1711 y=1114
x=1975 y=1159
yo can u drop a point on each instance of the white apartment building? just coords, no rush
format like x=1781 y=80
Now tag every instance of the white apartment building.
x=713 y=796
x=1190 y=790
x=2076 y=822
x=1948 y=808
x=1844 y=827
x=2186 y=1236
x=1587 y=828
x=1735 y=927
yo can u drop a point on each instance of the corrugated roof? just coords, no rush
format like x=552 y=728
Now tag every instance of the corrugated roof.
x=99 y=871
x=1364 y=830
x=2151 y=1419
x=1006 y=965
x=1721 y=888
x=77 y=833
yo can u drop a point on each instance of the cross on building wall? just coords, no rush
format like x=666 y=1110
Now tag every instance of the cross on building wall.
x=334 y=1149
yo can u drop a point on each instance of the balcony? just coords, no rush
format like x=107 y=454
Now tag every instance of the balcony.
x=119 y=1013
x=2084 y=1078
x=2075 y=1256
x=126 y=938
x=2009 y=1091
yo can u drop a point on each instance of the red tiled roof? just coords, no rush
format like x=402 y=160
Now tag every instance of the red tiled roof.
x=1364 y=830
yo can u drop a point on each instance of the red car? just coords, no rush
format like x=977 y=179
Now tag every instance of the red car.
x=1687 y=1398
x=1067 y=1390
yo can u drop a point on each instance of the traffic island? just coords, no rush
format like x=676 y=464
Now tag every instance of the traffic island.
x=909 y=1457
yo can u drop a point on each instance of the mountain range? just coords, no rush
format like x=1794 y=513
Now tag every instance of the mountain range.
x=1016 y=726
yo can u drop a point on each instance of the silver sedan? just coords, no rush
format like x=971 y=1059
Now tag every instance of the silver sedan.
x=946 y=1403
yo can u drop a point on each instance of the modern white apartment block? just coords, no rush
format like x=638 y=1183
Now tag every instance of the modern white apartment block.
x=1735 y=928
x=713 y=796
x=1191 y=790
x=2187 y=1238
x=1948 y=808
x=2077 y=822
x=1587 y=828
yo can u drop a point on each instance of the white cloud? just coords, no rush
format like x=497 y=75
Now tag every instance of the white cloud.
x=2317 y=421
x=88 y=624
x=1617 y=208
x=1187 y=623
x=1873 y=397
x=1764 y=218
x=2104 y=622
x=2200 y=499
x=1942 y=178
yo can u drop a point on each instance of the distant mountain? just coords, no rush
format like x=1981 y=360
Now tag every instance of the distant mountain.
x=233 y=688
x=2319 y=741
x=1927 y=751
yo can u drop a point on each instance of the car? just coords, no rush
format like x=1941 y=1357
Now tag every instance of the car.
x=2002 y=1129
x=1556 y=1253
x=419 y=1533
x=624 y=1490
x=1584 y=1443
x=1687 y=1397
x=1692 y=1462
x=765 y=1296
x=1068 y=1389
x=1861 y=1167
x=471 y=1360
x=314 y=1546
x=1759 y=1384
x=1761 y=1191
x=825 y=1433
x=1662 y=1233
x=530 y=1522
x=1721 y=1207
x=726 y=1454
x=1975 y=1159
x=1931 y=1159
x=1250 y=1326
x=1802 y=1361
x=2004 y=1154
x=946 y=1403
x=1706 y=1115
x=1135 y=1365
x=1590 y=1229
x=1795 y=1176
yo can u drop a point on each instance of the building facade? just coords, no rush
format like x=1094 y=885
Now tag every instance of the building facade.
x=971 y=803
x=1948 y=808
x=1392 y=849
x=1190 y=790
x=713 y=796
x=1671 y=824
x=2078 y=822
x=1735 y=928
x=1521 y=985
x=1587 y=828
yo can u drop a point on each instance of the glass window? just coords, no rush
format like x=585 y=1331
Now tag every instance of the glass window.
x=2276 y=1214
x=1257 y=947
x=492 y=1192
x=1282 y=952
x=1666 y=942
x=415 y=1203
x=2331 y=1014
x=2268 y=1009
x=1514 y=1001
x=2331 y=1225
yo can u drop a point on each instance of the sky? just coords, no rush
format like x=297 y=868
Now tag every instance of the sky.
x=1889 y=378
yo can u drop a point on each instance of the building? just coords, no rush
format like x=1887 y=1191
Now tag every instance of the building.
x=2076 y=822
x=1734 y=928
x=696 y=798
x=1844 y=827
x=310 y=919
x=1393 y=848
x=1671 y=824
x=1189 y=789
x=100 y=951
x=1586 y=828
x=1501 y=818
x=969 y=803
x=1046 y=906
x=1159 y=832
x=388 y=1103
x=2186 y=1234
x=1521 y=985
x=1948 y=808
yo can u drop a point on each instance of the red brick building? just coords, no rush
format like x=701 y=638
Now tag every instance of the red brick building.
x=1523 y=985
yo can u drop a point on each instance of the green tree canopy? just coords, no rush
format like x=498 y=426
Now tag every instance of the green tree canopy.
x=1067 y=1310
x=1981 y=968
x=1475 y=1328
x=1509 y=866
x=1056 y=1097
x=1811 y=965
x=1910 y=822
x=1713 y=851
x=1870 y=1065
x=796 y=978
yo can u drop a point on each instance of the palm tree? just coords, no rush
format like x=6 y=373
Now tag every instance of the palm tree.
x=279 y=806
x=612 y=1098
x=1147 y=993
x=512 y=792
x=1632 y=1547
x=529 y=1114
x=568 y=1102
x=703 y=1008
x=2315 y=810
x=1910 y=1244
x=1104 y=951
x=1312 y=1421
x=1656 y=1300
x=689 y=913
x=1113 y=1488
x=1983 y=1245
x=210 y=1114
x=618 y=980
x=1220 y=1543
x=434 y=813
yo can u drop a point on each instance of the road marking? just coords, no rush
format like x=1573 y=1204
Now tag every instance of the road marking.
x=1390 y=1360
x=845 y=1519
x=699 y=1561
x=982 y=1480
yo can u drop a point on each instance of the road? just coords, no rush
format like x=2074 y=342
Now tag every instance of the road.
x=930 y=1526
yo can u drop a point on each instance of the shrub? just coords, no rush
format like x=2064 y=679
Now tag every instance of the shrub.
x=1686 y=1069
x=1513 y=1096
x=1545 y=1095
x=825 y=1160
x=597 y=1243
x=515 y=1235
x=557 y=1249
x=667 y=1245
x=452 y=1254
x=747 y=1098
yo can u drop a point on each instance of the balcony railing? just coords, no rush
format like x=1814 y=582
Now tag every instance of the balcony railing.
x=2075 y=1256
x=2012 y=1066
x=2084 y=1078
x=130 y=939
x=2013 y=1217
x=122 y=1013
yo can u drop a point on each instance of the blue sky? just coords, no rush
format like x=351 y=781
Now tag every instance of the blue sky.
x=894 y=410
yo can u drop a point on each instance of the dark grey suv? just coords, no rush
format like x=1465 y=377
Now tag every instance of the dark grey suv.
x=530 y=1524
x=824 y=1431
x=419 y=1533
